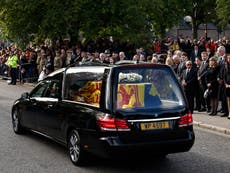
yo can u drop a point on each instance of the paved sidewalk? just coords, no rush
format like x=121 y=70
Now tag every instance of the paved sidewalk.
x=214 y=123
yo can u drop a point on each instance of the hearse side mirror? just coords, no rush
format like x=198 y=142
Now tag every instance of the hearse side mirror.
x=25 y=95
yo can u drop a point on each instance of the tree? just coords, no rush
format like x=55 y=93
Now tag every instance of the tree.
x=164 y=14
x=131 y=20
x=118 y=18
x=201 y=11
x=23 y=20
x=223 y=12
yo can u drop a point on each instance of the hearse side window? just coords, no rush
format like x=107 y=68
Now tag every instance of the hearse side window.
x=40 y=90
x=53 y=91
x=83 y=87
x=49 y=89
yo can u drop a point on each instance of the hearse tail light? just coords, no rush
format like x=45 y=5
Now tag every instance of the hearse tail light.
x=108 y=123
x=186 y=120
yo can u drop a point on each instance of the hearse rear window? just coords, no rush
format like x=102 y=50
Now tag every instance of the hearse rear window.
x=147 y=88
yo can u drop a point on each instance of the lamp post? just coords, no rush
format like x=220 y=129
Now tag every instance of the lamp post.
x=206 y=31
x=188 y=20
x=206 y=25
x=193 y=20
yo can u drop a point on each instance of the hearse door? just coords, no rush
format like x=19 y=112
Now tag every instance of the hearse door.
x=48 y=120
x=32 y=106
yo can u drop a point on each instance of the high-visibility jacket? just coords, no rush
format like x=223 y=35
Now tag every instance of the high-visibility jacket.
x=12 y=61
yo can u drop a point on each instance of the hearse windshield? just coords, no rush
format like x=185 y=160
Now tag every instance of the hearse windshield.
x=148 y=88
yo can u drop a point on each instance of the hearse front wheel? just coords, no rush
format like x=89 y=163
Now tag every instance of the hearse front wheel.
x=18 y=129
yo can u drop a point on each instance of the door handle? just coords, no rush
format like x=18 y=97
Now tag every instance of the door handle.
x=50 y=106
x=34 y=104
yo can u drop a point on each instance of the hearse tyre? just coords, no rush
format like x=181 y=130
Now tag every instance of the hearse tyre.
x=17 y=127
x=75 y=151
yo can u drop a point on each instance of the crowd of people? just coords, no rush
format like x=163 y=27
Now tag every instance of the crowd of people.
x=202 y=66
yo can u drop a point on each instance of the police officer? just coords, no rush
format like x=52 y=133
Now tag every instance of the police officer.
x=12 y=63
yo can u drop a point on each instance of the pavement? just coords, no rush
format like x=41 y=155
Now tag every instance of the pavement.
x=200 y=119
x=214 y=123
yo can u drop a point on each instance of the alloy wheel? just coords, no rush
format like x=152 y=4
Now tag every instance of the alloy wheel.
x=16 y=123
x=75 y=152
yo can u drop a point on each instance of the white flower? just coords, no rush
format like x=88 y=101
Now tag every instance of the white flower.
x=130 y=77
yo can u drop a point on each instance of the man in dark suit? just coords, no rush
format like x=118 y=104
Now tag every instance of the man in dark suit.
x=202 y=82
x=222 y=95
x=189 y=77
x=210 y=54
x=195 y=53
x=182 y=66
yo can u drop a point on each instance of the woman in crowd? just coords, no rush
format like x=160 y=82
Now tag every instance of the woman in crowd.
x=227 y=82
x=212 y=84
x=169 y=62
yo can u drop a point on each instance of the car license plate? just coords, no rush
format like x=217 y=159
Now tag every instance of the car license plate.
x=155 y=125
